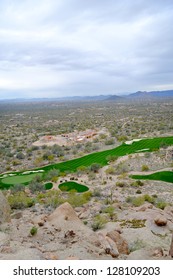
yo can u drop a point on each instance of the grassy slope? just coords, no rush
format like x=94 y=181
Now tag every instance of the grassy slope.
x=101 y=157
x=166 y=176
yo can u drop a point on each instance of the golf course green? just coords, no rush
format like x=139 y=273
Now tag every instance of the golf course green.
x=69 y=186
x=48 y=186
x=101 y=158
x=18 y=179
x=166 y=176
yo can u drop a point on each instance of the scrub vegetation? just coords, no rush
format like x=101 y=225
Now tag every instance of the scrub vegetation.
x=117 y=179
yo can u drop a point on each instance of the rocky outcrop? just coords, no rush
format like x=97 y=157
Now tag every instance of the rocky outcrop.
x=121 y=243
x=4 y=209
x=108 y=245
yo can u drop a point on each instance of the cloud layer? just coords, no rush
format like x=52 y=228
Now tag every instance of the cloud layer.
x=72 y=47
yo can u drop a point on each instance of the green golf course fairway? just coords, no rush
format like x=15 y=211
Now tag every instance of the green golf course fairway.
x=166 y=176
x=69 y=186
x=140 y=145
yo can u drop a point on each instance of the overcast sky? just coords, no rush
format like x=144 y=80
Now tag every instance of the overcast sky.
x=59 y=48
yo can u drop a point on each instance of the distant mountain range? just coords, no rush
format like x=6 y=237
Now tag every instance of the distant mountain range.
x=137 y=96
x=143 y=95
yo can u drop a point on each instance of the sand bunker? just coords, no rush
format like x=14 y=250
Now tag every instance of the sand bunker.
x=134 y=140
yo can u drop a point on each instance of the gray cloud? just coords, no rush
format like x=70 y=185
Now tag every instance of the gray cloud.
x=60 y=47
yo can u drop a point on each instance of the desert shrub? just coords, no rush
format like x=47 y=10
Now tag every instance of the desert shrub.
x=161 y=204
x=137 y=183
x=82 y=169
x=147 y=155
x=95 y=167
x=137 y=245
x=17 y=188
x=163 y=145
x=110 y=170
x=129 y=199
x=52 y=174
x=54 y=179
x=16 y=162
x=36 y=187
x=144 y=167
x=107 y=201
x=98 y=222
x=37 y=178
x=138 y=192
x=63 y=173
x=121 y=168
x=110 y=141
x=111 y=158
x=122 y=138
x=20 y=200
x=110 y=211
x=149 y=198
x=77 y=200
x=138 y=201
x=102 y=136
x=20 y=155
x=87 y=195
x=46 y=155
x=51 y=198
x=120 y=184
x=33 y=231
x=96 y=192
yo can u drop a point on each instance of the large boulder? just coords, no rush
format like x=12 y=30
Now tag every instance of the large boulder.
x=160 y=221
x=66 y=220
x=65 y=217
x=4 y=209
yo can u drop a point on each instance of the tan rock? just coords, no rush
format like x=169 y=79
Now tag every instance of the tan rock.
x=144 y=207
x=64 y=213
x=121 y=243
x=113 y=247
x=158 y=252
x=84 y=214
x=160 y=221
x=118 y=229
x=41 y=223
x=108 y=245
